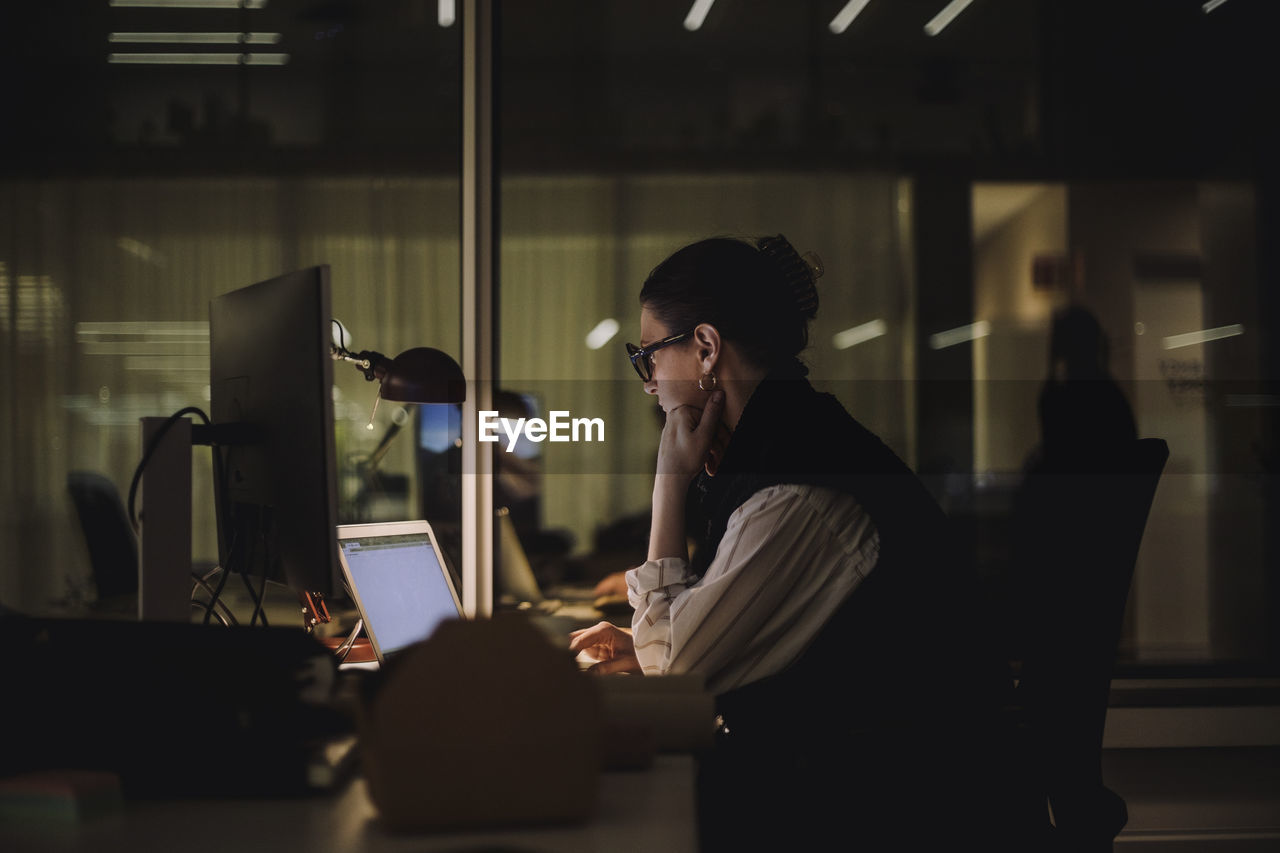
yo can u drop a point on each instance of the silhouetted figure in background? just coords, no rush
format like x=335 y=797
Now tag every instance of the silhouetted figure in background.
x=1083 y=412
x=518 y=486
x=1068 y=584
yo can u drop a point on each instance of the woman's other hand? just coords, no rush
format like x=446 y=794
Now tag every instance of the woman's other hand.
x=693 y=439
x=612 y=584
x=609 y=645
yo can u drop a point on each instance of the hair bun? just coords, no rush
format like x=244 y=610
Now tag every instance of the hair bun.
x=799 y=274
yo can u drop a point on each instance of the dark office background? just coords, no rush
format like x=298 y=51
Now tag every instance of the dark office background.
x=1124 y=149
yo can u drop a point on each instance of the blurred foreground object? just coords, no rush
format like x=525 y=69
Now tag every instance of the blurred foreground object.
x=483 y=724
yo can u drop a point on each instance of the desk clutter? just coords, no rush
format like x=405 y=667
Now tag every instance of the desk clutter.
x=482 y=725
x=173 y=709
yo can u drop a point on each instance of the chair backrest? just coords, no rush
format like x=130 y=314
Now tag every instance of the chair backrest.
x=113 y=546
x=1080 y=528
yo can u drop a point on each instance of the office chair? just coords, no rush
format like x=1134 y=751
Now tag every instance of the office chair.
x=113 y=546
x=1080 y=526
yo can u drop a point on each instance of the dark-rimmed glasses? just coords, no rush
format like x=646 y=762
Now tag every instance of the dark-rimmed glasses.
x=642 y=358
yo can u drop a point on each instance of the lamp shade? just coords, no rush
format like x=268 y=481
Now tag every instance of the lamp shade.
x=422 y=375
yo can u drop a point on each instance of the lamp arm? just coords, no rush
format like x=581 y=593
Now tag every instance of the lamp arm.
x=374 y=365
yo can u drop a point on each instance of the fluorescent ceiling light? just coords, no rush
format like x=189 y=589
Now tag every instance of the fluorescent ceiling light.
x=602 y=333
x=140 y=250
x=859 y=334
x=946 y=16
x=193 y=329
x=198 y=58
x=1203 y=336
x=446 y=13
x=951 y=337
x=194 y=38
x=192 y=4
x=1211 y=5
x=845 y=16
x=697 y=14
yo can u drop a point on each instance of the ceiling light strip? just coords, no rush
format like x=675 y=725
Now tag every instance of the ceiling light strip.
x=1211 y=5
x=860 y=334
x=697 y=14
x=1203 y=336
x=190 y=4
x=199 y=328
x=198 y=58
x=960 y=335
x=845 y=16
x=194 y=38
x=603 y=332
x=946 y=16
x=446 y=12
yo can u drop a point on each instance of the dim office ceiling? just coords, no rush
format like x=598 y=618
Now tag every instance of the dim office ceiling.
x=1176 y=88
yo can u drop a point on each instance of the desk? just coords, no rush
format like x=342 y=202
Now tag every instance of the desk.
x=346 y=821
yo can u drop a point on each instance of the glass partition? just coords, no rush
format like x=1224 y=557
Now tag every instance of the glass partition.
x=162 y=154
x=959 y=181
x=575 y=251
x=1169 y=271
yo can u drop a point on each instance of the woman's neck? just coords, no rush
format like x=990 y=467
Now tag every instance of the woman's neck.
x=736 y=394
x=739 y=379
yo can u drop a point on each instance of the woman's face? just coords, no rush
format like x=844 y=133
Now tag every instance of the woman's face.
x=676 y=368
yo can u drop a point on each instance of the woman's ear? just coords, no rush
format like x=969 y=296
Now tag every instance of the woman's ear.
x=707 y=339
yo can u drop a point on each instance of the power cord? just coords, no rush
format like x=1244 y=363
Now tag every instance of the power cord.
x=225 y=616
x=150 y=450
x=349 y=643
x=261 y=596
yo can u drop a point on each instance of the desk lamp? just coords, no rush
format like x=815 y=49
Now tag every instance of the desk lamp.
x=418 y=375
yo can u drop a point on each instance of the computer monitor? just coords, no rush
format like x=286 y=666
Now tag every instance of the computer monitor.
x=271 y=385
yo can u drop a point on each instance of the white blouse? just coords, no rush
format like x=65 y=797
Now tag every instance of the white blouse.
x=790 y=556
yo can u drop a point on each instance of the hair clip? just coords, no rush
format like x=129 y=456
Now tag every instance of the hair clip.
x=814 y=262
x=800 y=274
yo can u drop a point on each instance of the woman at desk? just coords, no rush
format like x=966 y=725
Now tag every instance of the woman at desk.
x=827 y=613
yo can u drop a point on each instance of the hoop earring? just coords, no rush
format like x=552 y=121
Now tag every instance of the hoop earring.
x=707 y=382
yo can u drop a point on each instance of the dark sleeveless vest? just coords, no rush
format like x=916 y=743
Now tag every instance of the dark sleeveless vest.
x=908 y=642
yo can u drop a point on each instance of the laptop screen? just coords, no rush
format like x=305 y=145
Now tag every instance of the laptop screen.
x=398 y=582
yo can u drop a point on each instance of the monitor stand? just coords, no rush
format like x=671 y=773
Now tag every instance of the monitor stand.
x=164 y=530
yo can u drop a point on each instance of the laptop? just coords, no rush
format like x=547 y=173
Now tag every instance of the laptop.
x=397 y=577
x=520 y=587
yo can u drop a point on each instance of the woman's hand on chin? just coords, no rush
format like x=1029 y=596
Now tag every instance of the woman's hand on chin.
x=692 y=439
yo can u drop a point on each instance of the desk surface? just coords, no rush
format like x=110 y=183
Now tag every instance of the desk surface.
x=346 y=821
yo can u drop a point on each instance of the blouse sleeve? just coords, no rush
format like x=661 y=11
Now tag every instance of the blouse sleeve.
x=790 y=554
